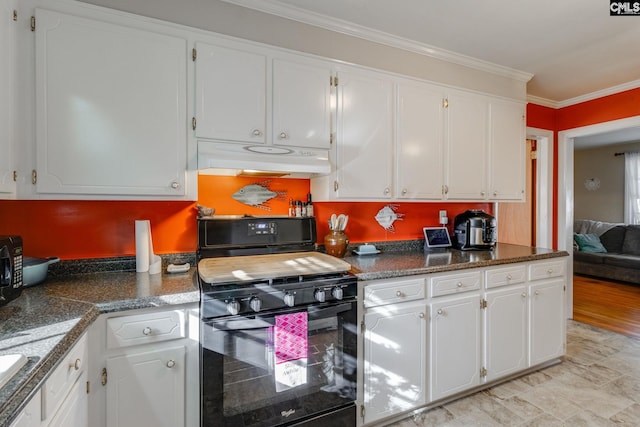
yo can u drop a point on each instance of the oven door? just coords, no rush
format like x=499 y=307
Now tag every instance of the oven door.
x=280 y=367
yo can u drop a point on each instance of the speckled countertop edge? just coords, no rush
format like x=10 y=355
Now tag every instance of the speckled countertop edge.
x=83 y=290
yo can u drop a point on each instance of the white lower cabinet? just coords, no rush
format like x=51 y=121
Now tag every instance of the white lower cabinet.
x=455 y=345
x=146 y=369
x=395 y=359
x=62 y=401
x=147 y=388
x=505 y=332
x=433 y=337
x=30 y=416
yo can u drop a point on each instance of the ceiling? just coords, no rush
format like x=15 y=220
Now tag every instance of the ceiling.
x=573 y=48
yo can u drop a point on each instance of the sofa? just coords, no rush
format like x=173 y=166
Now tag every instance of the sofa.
x=607 y=250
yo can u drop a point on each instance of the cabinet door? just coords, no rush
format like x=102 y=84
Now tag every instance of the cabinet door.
x=74 y=409
x=8 y=95
x=231 y=94
x=395 y=359
x=466 y=146
x=547 y=326
x=301 y=104
x=147 y=388
x=419 y=141
x=506 y=326
x=507 y=165
x=30 y=414
x=364 y=135
x=455 y=345
x=111 y=108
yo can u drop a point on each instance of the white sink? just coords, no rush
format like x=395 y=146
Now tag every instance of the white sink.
x=10 y=364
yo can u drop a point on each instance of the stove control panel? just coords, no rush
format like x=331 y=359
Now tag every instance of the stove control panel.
x=260 y=228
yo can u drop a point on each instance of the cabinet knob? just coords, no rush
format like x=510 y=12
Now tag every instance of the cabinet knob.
x=257 y=132
x=283 y=135
x=386 y=190
x=175 y=185
x=398 y=293
x=75 y=365
x=147 y=331
x=550 y=270
x=404 y=191
x=440 y=311
x=482 y=193
x=509 y=277
x=536 y=293
x=524 y=295
x=171 y=363
x=495 y=193
x=421 y=315
x=459 y=284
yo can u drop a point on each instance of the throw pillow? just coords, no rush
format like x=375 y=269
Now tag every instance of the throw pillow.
x=589 y=243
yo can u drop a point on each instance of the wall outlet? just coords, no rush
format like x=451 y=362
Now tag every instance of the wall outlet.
x=443 y=218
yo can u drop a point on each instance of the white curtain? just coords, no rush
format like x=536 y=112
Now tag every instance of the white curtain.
x=632 y=188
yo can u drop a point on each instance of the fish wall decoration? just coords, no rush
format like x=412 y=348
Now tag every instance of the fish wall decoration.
x=258 y=195
x=387 y=216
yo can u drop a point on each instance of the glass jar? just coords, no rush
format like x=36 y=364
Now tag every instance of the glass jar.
x=335 y=243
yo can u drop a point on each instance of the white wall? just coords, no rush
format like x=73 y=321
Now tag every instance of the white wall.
x=225 y=18
x=606 y=203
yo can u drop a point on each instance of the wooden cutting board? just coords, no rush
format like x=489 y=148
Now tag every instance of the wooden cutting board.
x=252 y=267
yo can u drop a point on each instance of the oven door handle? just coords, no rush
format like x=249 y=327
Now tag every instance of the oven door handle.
x=322 y=312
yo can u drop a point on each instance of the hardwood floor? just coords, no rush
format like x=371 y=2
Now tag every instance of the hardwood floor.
x=610 y=305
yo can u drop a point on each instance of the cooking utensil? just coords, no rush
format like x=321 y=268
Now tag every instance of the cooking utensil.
x=34 y=270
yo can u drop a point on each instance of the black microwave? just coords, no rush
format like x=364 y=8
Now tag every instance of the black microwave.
x=10 y=268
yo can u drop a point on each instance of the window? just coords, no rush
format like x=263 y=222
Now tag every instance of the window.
x=632 y=188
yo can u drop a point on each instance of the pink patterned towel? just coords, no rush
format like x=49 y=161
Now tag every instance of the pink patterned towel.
x=290 y=346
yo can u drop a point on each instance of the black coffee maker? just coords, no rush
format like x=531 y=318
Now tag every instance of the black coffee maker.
x=475 y=230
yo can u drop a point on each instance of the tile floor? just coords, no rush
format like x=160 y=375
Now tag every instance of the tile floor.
x=598 y=384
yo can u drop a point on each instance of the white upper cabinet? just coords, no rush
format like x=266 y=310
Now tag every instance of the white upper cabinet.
x=253 y=95
x=508 y=142
x=8 y=97
x=301 y=104
x=419 y=140
x=364 y=135
x=231 y=94
x=466 y=146
x=110 y=108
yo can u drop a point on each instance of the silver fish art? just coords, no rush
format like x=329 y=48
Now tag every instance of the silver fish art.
x=257 y=195
x=387 y=216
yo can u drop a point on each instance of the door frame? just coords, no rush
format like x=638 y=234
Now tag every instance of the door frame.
x=565 y=187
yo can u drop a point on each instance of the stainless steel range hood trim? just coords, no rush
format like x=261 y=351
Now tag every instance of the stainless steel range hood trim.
x=217 y=155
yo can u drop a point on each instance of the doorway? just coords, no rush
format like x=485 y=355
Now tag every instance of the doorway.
x=541 y=196
x=565 y=187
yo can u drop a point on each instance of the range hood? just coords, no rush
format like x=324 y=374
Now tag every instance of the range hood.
x=264 y=157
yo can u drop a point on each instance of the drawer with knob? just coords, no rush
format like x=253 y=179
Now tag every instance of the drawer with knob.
x=547 y=269
x=504 y=276
x=455 y=283
x=64 y=376
x=381 y=292
x=145 y=328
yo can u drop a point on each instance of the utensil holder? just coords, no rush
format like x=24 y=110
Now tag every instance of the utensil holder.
x=335 y=243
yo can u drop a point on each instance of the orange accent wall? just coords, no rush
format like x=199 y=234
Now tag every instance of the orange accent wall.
x=73 y=229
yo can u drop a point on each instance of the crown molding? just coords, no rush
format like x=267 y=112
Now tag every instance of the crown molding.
x=348 y=28
x=600 y=93
x=532 y=99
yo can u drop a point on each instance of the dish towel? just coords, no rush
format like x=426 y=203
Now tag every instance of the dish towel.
x=290 y=345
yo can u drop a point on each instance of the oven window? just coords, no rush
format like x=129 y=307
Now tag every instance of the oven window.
x=270 y=369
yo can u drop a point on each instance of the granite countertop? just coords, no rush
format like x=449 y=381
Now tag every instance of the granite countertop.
x=408 y=261
x=46 y=320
